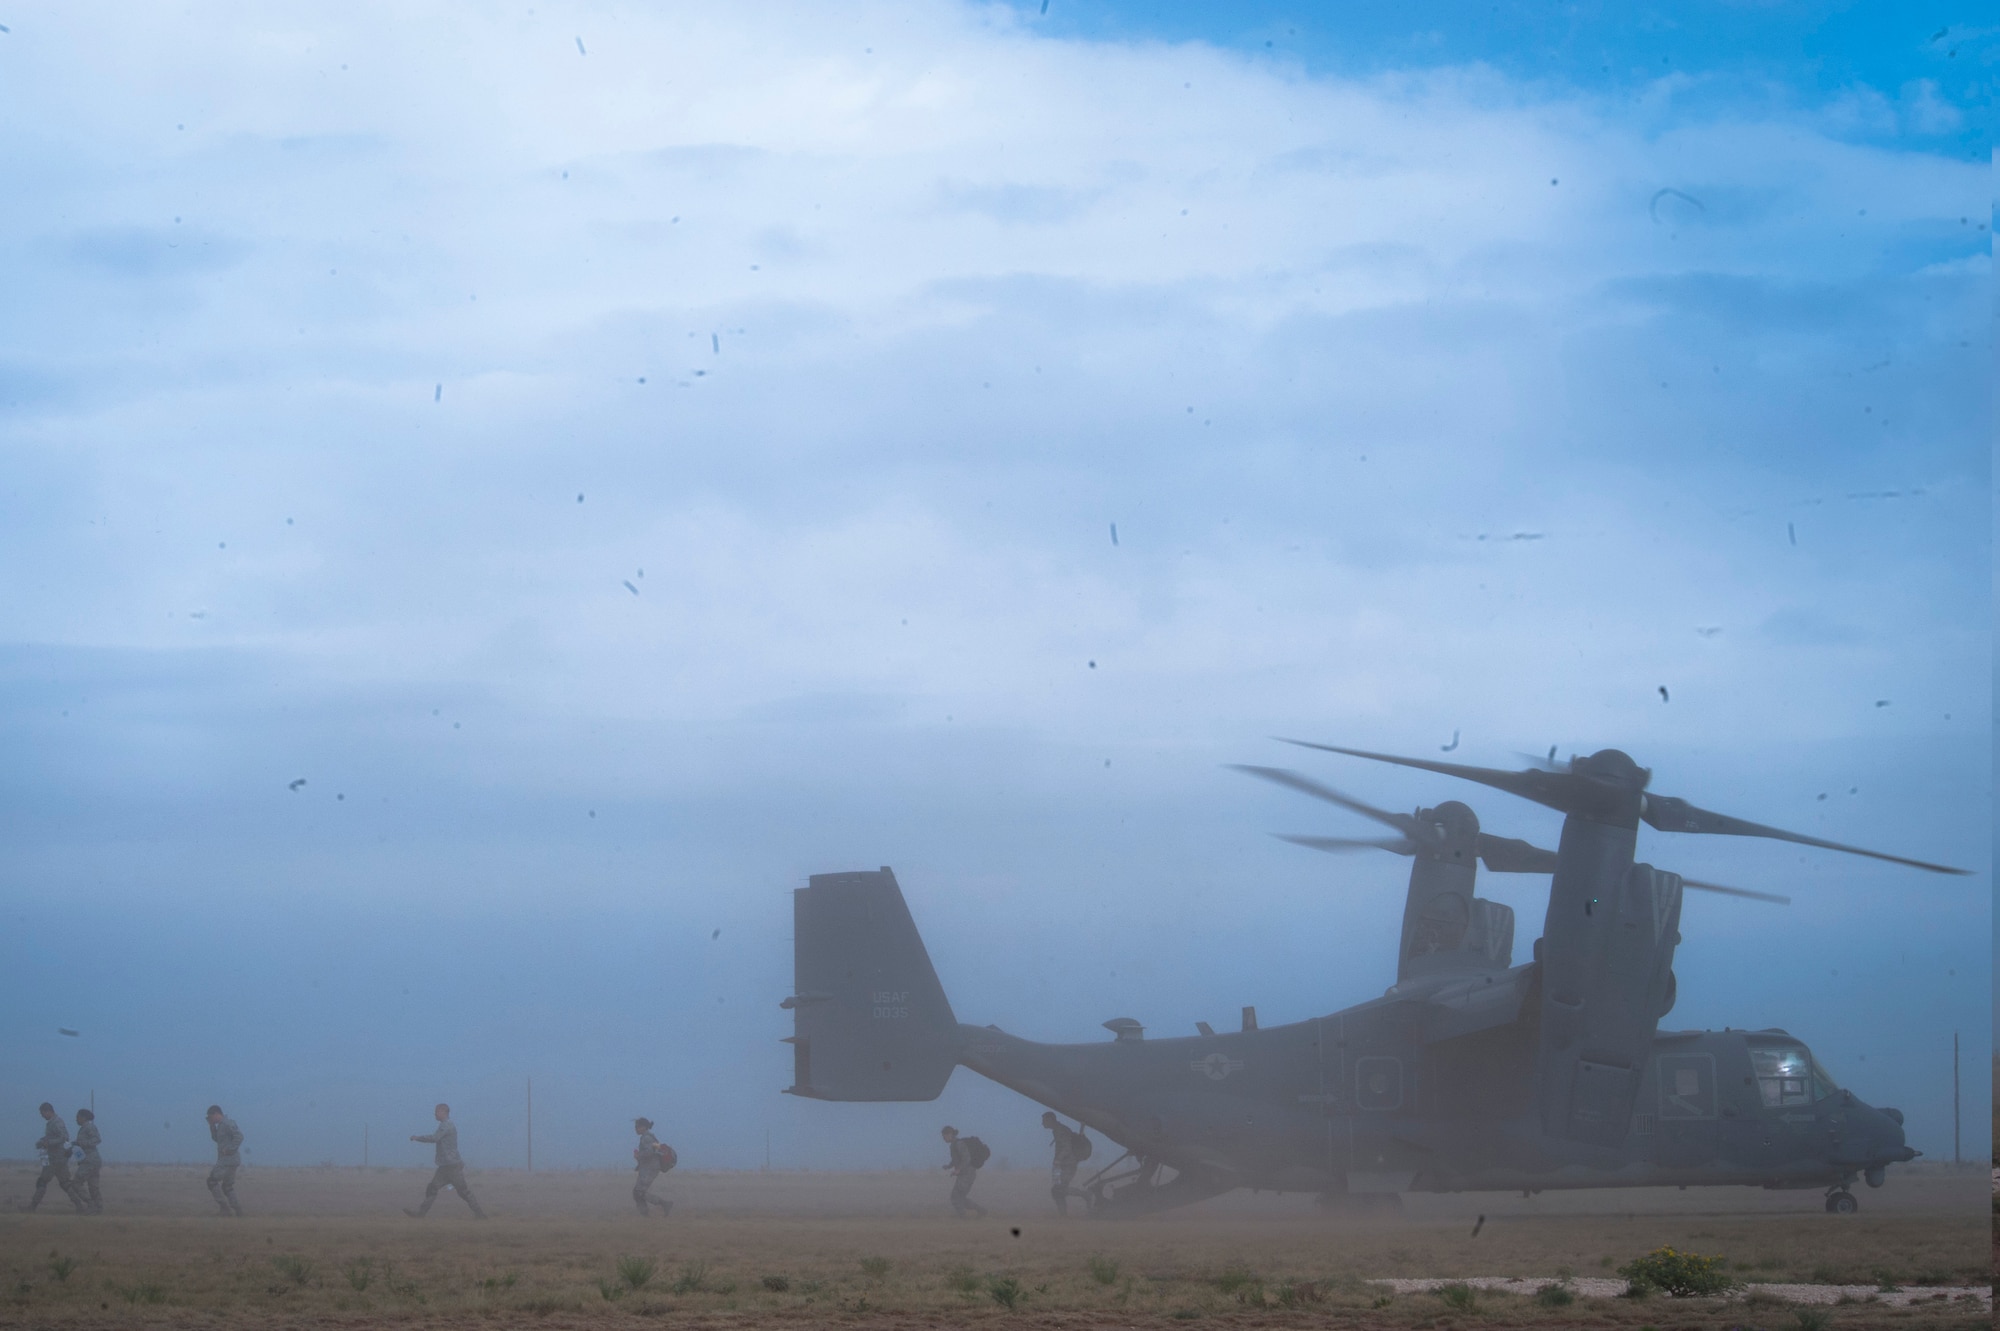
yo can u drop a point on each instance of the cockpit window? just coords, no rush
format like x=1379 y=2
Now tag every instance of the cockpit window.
x=1788 y=1075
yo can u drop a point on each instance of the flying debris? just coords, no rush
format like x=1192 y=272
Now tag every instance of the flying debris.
x=296 y=784
x=1478 y=1225
x=1710 y=631
x=630 y=588
x=715 y=343
x=1881 y=702
x=717 y=934
x=1447 y=748
x=1663 y=694
x=579 y=47
x=437 y=394
x=1653 y=207
x=1114 y=533
x=64 y=1030
x=1791 y=533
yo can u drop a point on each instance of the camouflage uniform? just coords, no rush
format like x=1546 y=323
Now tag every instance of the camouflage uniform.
x=228 y=1140
x=450 y=1169
x=963 y=1175
x=649 y=1169
x=54 y=1146
x=1064 y=1169
x=88 y=1138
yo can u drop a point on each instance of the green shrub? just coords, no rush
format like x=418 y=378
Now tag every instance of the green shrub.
x=776 y=1284
x=636 y=1271
x=1298 y=1293
x=1458 y=1295
x=693 y=1278
x=402 y=1289
x=1236 y=1279
x=146 y=1293
x=1812 y=1319
x=611 y=1290
x=1680 y=1274
x=1555 y=1296
x=1005 y=1290
x=296 y=1268
x=963 y=1279
x=360 y=1271
x=60 y=1267
x=1104 y=1270
x=505 y=1280
x=875 y=1268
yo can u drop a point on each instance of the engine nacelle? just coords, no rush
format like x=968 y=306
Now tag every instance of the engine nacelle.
x=1446 y=929
x=1607 y=978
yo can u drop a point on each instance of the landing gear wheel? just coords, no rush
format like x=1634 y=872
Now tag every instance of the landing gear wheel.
x=1842 y=1203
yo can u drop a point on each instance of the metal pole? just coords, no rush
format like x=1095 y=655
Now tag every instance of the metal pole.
x=364 y=1146
x=531 y=1125
x=1954 y=1097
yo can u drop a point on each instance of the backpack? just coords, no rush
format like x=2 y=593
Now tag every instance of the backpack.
x=979 y=1152
x=667 y=1157
x=1082 y=1147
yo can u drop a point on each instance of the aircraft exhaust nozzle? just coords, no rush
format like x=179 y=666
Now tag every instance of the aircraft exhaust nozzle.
x=869 y=1019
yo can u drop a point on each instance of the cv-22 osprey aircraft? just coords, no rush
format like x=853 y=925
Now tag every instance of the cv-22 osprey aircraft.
x=1470 y=1073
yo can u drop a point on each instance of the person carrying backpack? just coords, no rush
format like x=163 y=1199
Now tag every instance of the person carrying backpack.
x=655 y=1158
x=1072 y=1149
x=967 y=1155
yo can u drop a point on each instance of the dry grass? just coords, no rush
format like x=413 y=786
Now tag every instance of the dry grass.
x=332 y=1247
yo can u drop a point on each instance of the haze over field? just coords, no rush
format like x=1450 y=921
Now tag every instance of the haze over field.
x=493 y=500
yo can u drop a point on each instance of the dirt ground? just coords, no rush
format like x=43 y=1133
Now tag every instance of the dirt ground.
x=744 y=1250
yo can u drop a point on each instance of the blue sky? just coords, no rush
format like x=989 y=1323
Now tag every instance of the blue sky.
x=624 y=460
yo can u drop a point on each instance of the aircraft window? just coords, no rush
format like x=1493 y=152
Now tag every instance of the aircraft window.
x=1823 y=1082
x=1784 y=1074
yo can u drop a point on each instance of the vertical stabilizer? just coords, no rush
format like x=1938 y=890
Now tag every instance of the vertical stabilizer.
x=869 y=1019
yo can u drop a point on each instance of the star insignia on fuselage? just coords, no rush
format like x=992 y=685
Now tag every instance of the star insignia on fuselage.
x=1216 y=1066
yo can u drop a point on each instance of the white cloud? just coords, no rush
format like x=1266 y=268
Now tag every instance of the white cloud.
x=921 y=303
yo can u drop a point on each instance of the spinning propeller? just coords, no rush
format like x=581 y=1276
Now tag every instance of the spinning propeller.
x=1498 y=854
x=1599 y=784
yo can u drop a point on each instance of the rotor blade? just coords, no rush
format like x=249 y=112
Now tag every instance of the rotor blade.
x=1532 y=785
x=1502 y=854
x=1398 y=845
x=1676 y=815
x=1736 y=891
x=1305 y=785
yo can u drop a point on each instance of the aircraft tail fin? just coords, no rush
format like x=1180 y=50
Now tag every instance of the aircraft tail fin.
x=869 y=1019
